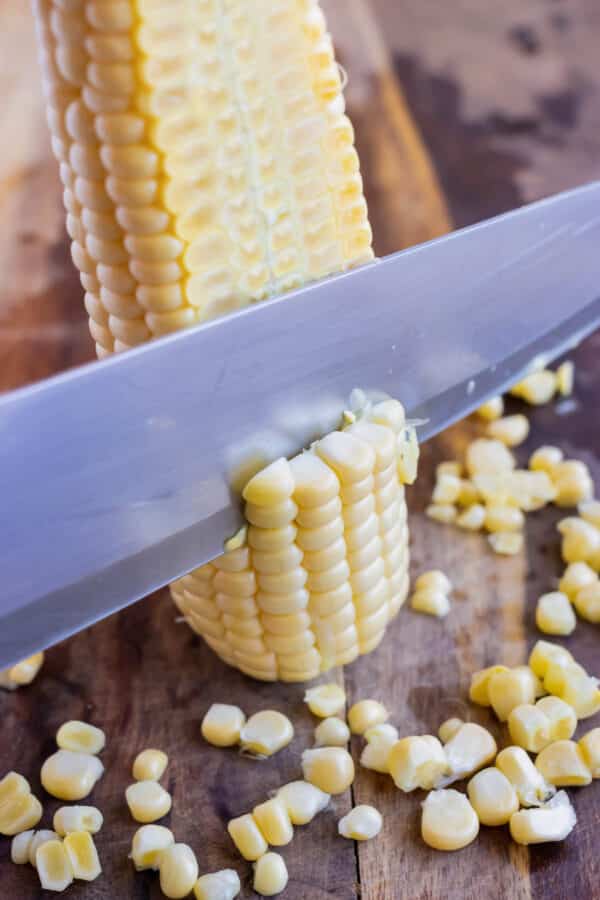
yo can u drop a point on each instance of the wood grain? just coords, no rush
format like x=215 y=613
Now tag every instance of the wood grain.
x=462 y=74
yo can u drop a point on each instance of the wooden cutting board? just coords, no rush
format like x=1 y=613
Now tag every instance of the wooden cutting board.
x=144 y=677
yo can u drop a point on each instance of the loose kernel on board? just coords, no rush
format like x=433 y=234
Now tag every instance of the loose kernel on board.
x=329 y=768
x=80 y=737
x=441 y=512
x=266 y=732
x=576 y=576
x=589 y=745
x=222 y=885
x=147 y=845
x=449 y=467
x=565 y=378
x=247 y=836
x=587 y=603
x=589 y=510
x=506 y=690
x=447 y=489
x=553 y=821
x=563 y=764
x=274 y=822
x=20 y=810
x=448 y=821
x=506 y=543
x=434 y=580
x=492 y=796
x=573 y=685
x=332 y=732
x=376 y=753
x=492 y=409
x=529 y=783
x=54 y=866
x=69 y=775
x=561 y=718
x=472 y=518
x=469 y=749
x=22 y=673
x=83 y=855
x=544 y=653
x=77 y=818
x=430 y=602
x=150 y=765
x=448 y=729
x=499 y=517
x=178 y=871
x=529 y=727
x=417 y=761
x=19 y=847
x=545 y=459
x=325 y=700
x=222 y=725
x=147 y=801
x=488 y=456
x=270 y=875
x=303 y=801
x=537 y=388
x=365 y=715
x=480 y=681
x=510 y=430
x=580 y=539
x=554 y=614
x=37 y=840
x=573 y=483
x=362 y=823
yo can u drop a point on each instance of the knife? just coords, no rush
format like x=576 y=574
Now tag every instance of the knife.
x=116 y=476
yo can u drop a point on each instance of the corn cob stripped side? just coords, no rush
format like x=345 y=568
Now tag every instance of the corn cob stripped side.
x=325 y=567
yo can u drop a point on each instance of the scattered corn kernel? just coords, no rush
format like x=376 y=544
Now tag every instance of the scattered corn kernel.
x=266 y=732
x=83 y=855
x=503 y=518
x=554 y=614
x=469 y=749
x=553 y=821
x=529 y=783
x=573 y=483
x=573 y=685
x=537 y=388
x=561 y=718
x=589 y=510
x=576 y=576
x=492 y=409
x=509 y=689
x=270 y=875
x=565 y=377
x=329 y=768
x=530 y=677
x=325 y=700
x=580 y=540
x=587 y=603
x=492 y=796
x=77 y=818
x=274 y=822
x=479 y=689
x=545 y=459
x=20 y=810
x=448 y=729
x=361 y=824
x=147 y=801
x=447 y=489
x=247 y=836
x=178 y=870
x=302 y=801
x=472 y=518
x=441 y=512
x=380 y=741
x=223 y=885
x=69 y=775
x=150 y=765
x=563 y=764
x=222 y=725
x=590 y=747
x=511 y=430
x=529 y=727
x=366 y=714
x=506 y=543
x=19 y=847
x=430 y=602
x=434 y=580
x=22 y=673
x=39 y=838
x=544 y=653
x=448 y=821
x=147 y=845
x=332 y=732
x=468 y=493
x=488 y=456
x=54 y=866
x=418 y=761
x=80 y=737
x=449 y=467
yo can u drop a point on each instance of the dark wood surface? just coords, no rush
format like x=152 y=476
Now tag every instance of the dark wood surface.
x=507 y=100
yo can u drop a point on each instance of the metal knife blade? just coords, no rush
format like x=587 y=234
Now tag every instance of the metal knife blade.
x=115 y=477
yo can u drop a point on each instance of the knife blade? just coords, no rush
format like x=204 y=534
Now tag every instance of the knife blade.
x=116 y=477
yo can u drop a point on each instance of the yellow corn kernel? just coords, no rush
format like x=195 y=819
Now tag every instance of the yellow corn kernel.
x=554 y=614
x=329 y=768
x=20 y=813
x=147 y=801
x=441 y=512
x=573 y=483
x=573 y=685
x=247 y=837
x=222 y=725
x=506 y=543
x=580 y=539
x=529 y=783
x=506 y=690
x=69 y=775
x=332 y=732
x=450 y=467
x=537 y=388
x=492 y=796
x=266 y=732
x=553 y=821
x=83 y=855
x=503 y=518
x=54 y=866
x=587 y=603
x=447 y=489
x=448 y=729
x=222 y=885
x=274 y=822
x=178 y=870
x=563 y=764
x=366 y=714
x=472 y=518
x=13 y=785
x=529 y=727
x=589 y=510
x=150 y=765
x=19 y=847
x=418 y=761
x=302 y=801
x=510 y=430
x=488 y=456
x=544 y=653
x=448 y=821
x=270 y=875
x=22 y=673
x=561 y=717
x=81 y=737
x=430 y=602
x=545 y=459
x=589 y=745
x=469 y=495
x=480 y=681
x=469 y=749
x=565 y=377
x=361 y=824
x=37 y=840
x=433 y=580
x=77 y=818
x=325 y=700
x=147 y=845
x=576 y=576
x=492 y=409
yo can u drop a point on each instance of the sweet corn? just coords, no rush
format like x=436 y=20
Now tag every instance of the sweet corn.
x=589 y=510
x=563 y=764
x=80 y=737
x=178 y=870
x=222 y=725
x=529 y=727
x=150 y=765
x=270 y=875
x=442 y=512
x=380 y=740
x=266 y=732
x=147 y=845
x=472 y=518
x=222 y=885
x=469 y=495
x=492 y=409
x=510 y=430
x=247 y=836
x=22 y=673
x=365 y=715
x=20 y=810
x=506 y=543
x=529 y=783
x=492 y=796
x=417 y=762
x=448 y=729
x=573 y=483
x=589 y=745
x=545 y=459
x=302 y=801
x=69 y=775
x=576 y=576
x=325 y=700
x=561 y=718
x=544 y=654
x=147 y=801
x=19 y=847
x=37 y=840
x=573 y=685
x=430 y=602
x=448 y=821
x=488 y=456
x=587 y=603
x=526 y=490
x=530 y=677
x=449 y=467
x=554 y=614
x=54 y=866
x=480 y=682
x=553 y=821
x=580 y=540
x=565 y=378
x=469 y=749
x=361 y=824
x=506 y=690
x=274 y=822
x=447 y=489
x=83 y=855
x=537 y=388
x=77 y=818
x=329 y=768
x=503 y=518
x=332 y=732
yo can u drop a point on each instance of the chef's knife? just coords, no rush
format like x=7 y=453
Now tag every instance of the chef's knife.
x=115 y=477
